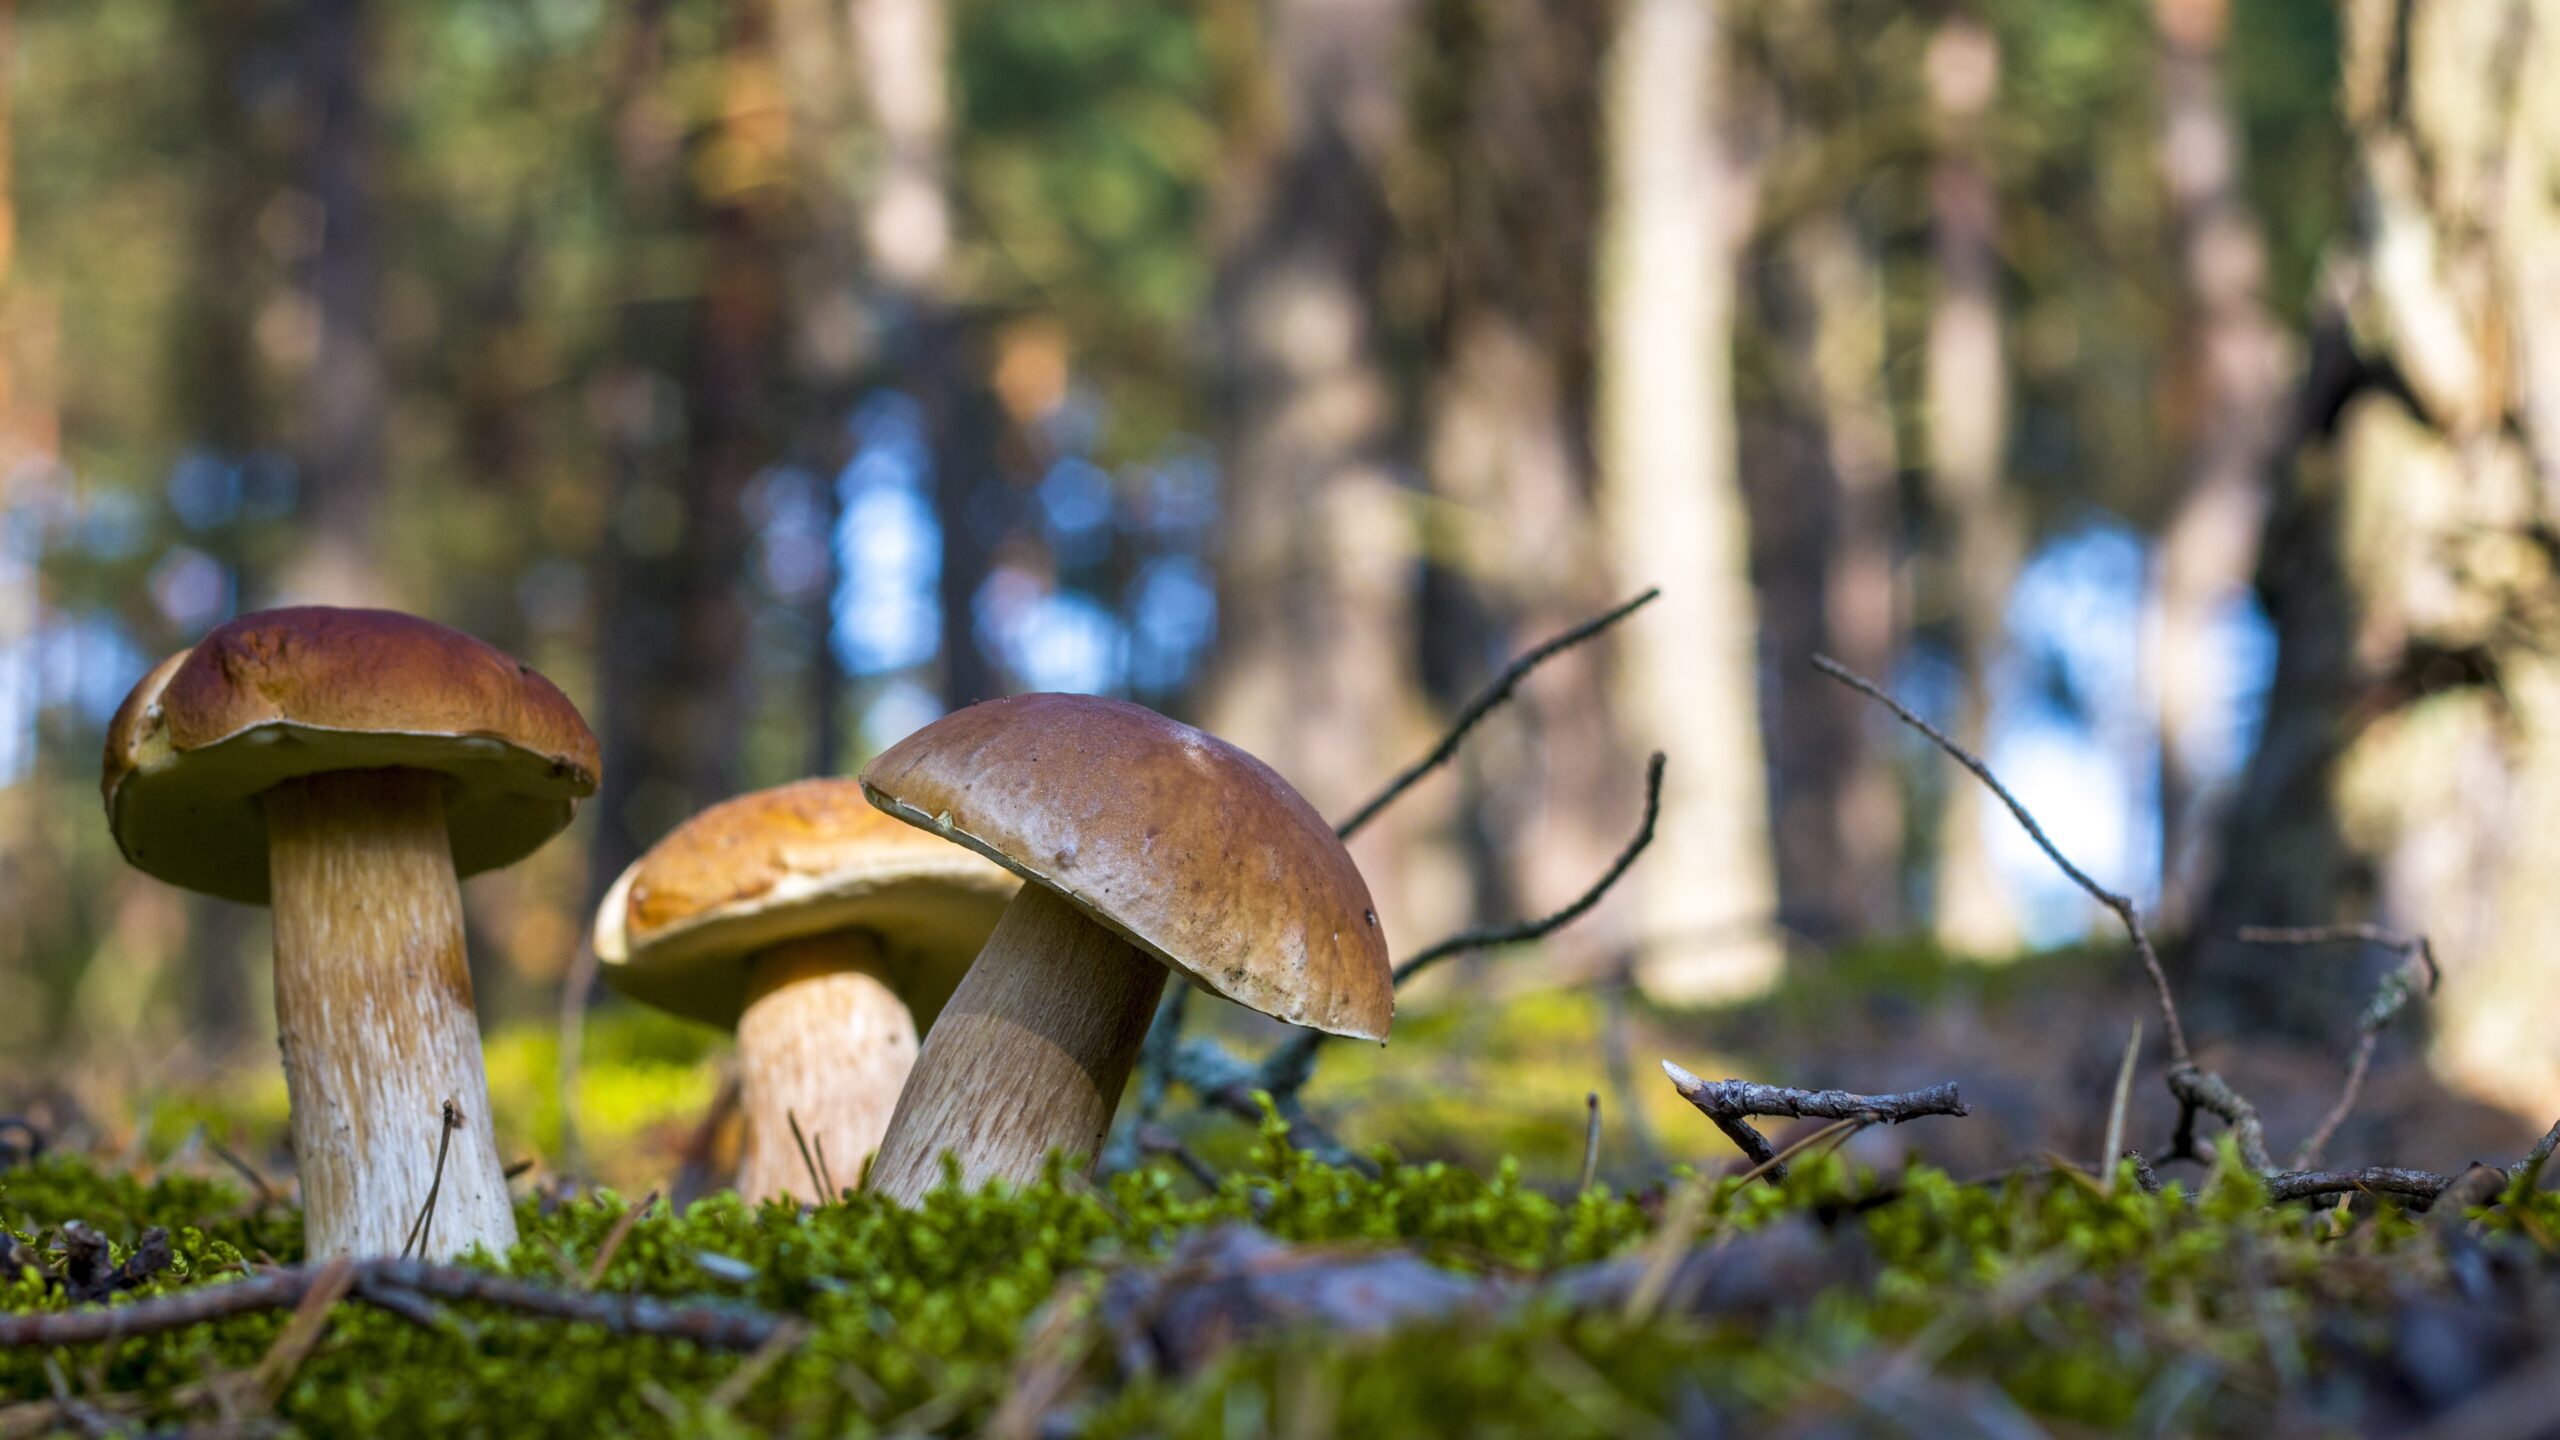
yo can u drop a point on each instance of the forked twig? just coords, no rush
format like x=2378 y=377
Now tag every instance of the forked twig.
x=2197 y=1089
x=2389 y=999
x=1731 y=1104
x=1286 y=1070
x=2121 y=905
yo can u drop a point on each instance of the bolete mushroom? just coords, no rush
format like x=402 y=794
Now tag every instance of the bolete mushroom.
x=347 y=767
x=1147 y=845
x=827 y=934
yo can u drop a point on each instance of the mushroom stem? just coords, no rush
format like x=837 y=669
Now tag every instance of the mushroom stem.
x=373 y=1011
x=1030 y=1056
x=825 y=1041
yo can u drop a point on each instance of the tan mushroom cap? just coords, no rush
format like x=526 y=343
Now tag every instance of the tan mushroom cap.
x=281 y=694
x=798 y=860
x=1192 y=850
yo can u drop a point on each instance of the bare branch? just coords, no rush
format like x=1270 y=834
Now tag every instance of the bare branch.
x=1484 y=704
x=2377 y=1180
x=1741 y=1098
x=1287 y=1068
x=2200 y=1089
x=1732 y=1103
x=1525 y=930
x=2389 y=999
x=2121 y=905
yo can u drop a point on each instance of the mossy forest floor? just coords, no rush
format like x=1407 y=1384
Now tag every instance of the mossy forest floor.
x=1301 y=1299
x=1872 y=1293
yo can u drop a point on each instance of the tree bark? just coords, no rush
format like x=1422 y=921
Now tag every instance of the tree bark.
x=1316 y=671
x=1967 y=415
x=1839 y=819
x=1671 y=501
x=676 y=540
x=2418 y=708
x=346 y=390
x=2232 y=375
x=1511 y=102
x=374 y=1015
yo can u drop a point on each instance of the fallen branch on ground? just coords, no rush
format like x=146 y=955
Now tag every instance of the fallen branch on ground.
x=715 y=1325
x=1732 y=1104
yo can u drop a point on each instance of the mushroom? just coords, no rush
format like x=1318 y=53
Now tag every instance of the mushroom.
x=826 y=933
x=346 y=767
x=1148 y=844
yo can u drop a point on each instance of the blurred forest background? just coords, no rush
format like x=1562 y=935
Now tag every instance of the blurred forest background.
x=2161 y=395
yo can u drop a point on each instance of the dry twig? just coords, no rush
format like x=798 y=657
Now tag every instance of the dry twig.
x=420 y=1228
x=2196 y=1088
x=1731 y=1104
x=2389 y=999
x=1484 y=704
x=715 y=1325
x=1286 y=1070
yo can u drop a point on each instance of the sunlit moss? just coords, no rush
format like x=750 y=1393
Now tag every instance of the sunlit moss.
x=2071 y=1303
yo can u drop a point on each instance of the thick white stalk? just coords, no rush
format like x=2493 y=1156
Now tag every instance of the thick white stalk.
x=826 y=1043
x=373 y=1011
x=1030 y=1056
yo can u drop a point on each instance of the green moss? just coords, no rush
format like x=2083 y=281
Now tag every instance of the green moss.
x=2071 y=1303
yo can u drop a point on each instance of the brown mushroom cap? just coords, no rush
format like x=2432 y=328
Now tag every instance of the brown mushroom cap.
x=281 y=694
x=1192 y=850
x=797 y=860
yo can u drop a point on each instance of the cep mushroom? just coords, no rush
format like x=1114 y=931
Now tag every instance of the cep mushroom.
x=827 y=934
x=347 y=767
x=1147 y=845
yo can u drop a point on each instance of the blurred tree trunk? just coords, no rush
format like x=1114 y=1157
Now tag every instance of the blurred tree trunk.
x=1514 y=556
x=1671 y=501
x=1967 y=416
x=222 y=405
x=345 y=390
x=1316 y=668
x=2231 y=390
x=934 y=352
x=685 y=395
x=829 y=319
x=2420 y=697
x=1839 y=820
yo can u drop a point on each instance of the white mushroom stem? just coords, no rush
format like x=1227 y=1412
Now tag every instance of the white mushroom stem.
x=1030 y=1056
x=825 y=1041
x=373 y=1010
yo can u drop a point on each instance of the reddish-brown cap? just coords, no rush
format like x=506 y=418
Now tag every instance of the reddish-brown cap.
x=281 y=694
x=797 y=860
x=1191 y=849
